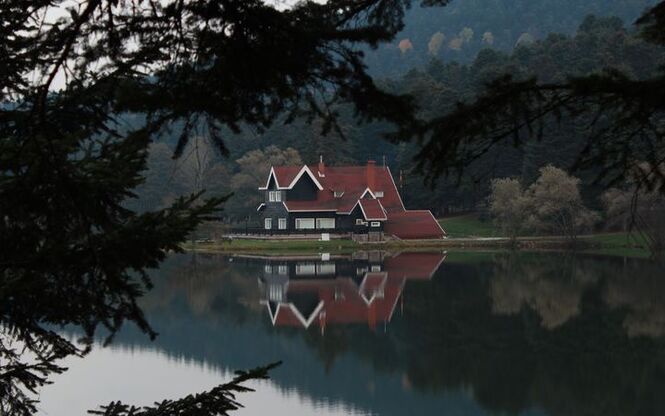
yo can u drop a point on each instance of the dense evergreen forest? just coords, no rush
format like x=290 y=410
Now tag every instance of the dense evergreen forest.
x=598 y=44
x=460 y=30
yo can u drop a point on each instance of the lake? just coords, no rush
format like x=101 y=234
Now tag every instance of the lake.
x=455 y=333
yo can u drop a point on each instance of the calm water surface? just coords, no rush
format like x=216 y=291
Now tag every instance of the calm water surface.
x=393 y=334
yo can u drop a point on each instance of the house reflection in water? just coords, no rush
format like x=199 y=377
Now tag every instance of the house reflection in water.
x=360 y=288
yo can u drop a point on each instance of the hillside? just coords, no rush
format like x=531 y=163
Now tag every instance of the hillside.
x=458 y=31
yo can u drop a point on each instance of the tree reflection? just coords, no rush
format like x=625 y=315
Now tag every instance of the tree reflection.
x=550 y=285
x=569 y=334
x=639 y=291
x=538 y=332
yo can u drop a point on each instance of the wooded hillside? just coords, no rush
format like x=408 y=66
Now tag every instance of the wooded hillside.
x=599 y=43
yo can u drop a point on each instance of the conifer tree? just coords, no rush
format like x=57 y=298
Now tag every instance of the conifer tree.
x=622 y=117
x=84 y=89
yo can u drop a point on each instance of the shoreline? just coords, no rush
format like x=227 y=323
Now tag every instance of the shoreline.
x=611 y=244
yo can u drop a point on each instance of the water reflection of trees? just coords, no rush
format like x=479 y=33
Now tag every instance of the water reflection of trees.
x=553 y=287
x=545 y=331
x=550 y=285
x=568 y=334
x=540 y=332
x=639 y=291
x=210 y=284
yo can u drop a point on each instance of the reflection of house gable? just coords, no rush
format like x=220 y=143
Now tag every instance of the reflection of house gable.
x=292 y=315
x=340 y=292
x=372 y=286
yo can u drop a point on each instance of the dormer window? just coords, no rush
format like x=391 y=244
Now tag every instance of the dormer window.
x=338 y=194
x=274 y=196
x=378 y=194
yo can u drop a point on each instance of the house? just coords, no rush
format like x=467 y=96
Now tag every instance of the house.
x=308 y=292
x=359 y=200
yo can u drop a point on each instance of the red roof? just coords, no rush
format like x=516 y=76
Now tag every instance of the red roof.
x=350 y=181
x=343 y=188
x=311 y=206
x=413 y=224
x=286 y=174
x=372 y=209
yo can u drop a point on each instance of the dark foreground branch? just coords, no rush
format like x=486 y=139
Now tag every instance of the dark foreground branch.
x=216 y=402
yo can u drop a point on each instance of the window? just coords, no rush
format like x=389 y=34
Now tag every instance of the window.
x=282 y=269
x=275 y=293
x=378 y=194
x=338 y=194
x=305 y=268
x=360 y=221
x=267 y=223
x=325 y=223
x=375 y=224
x=361 y=271
x=281 y=223
x=267 y=268
x=376 y=268
x=325 y=268
x=274 y=196
x=304 y=223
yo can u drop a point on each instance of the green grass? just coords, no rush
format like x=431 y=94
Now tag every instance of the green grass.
x=618 y=244
x=621 y=252
x=465 y=226
x=612 y=240
x=278 y=245
x=334 y=246
x=469 y=226
x=462 y=227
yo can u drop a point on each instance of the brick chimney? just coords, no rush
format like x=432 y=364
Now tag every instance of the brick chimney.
x=371 y=172
x=322 y=167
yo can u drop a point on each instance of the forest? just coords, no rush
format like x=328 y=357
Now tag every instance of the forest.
x=460 y=30
x=598 y=44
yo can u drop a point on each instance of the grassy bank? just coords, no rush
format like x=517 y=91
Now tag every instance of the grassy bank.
x=615 y=243
x=468 y=226
x=619 y=244
x=249 y=245
x=464 y=232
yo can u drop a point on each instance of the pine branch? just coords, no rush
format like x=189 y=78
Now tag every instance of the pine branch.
x=217 y=402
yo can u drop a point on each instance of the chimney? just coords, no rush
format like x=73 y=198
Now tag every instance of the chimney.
x=370 y=175
x=322 y=167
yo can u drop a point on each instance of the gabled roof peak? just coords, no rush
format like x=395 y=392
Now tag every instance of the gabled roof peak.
x=340 y=188
x=287 y=175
